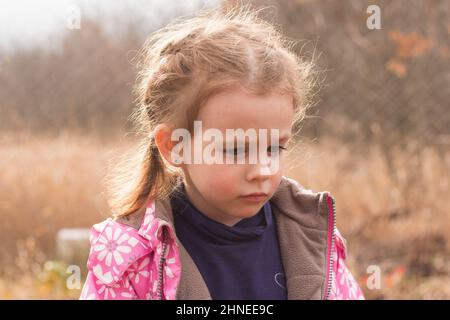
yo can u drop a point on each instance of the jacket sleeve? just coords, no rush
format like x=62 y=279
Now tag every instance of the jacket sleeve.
x=118 y=264
x=95 y=289
x=344 y=286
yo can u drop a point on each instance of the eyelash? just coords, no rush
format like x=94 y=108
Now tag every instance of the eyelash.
x=281 y=147
x=234 y=150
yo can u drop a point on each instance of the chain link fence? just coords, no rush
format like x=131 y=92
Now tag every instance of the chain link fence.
x=389 y=85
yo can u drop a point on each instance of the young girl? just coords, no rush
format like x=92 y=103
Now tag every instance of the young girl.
x=219 y=230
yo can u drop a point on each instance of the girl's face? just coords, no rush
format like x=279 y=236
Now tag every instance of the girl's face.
x=219 y=190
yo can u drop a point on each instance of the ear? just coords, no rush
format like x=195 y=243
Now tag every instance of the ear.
x=162 y=136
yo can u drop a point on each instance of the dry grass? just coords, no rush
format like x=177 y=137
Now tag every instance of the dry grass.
x=393 y=216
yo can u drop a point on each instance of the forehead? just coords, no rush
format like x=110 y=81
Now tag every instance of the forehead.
x=238 y=109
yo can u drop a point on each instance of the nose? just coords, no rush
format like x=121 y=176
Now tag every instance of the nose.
x=260 y=171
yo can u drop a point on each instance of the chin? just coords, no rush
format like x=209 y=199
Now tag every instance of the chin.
x=250 y=212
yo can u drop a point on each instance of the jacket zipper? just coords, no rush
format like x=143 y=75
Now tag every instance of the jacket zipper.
x=332 y=219
x=161 y=265
x=331 y=227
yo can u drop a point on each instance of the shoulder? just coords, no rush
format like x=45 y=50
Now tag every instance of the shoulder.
x=293 y=198
x=133 y=220
x=292 y=188
x=114 y=247
x=310 y=201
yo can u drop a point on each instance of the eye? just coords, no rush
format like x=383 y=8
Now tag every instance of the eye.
x=235 y=151
x=273 y=149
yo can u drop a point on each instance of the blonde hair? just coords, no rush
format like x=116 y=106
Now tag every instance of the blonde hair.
x=181 y=66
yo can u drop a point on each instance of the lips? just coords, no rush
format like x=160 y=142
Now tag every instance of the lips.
x=256 y=194
x=255 y=197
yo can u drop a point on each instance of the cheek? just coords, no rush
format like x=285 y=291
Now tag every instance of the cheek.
x=221 y=179
x=281 y=165
x=275 y=179
x=225 y=178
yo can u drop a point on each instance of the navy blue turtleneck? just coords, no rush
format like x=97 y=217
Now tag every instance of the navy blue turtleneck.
x=238 y=262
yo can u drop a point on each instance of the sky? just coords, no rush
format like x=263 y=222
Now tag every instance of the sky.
x=36 y=22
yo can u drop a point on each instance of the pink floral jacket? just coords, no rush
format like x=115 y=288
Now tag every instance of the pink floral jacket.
x=140 y=256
